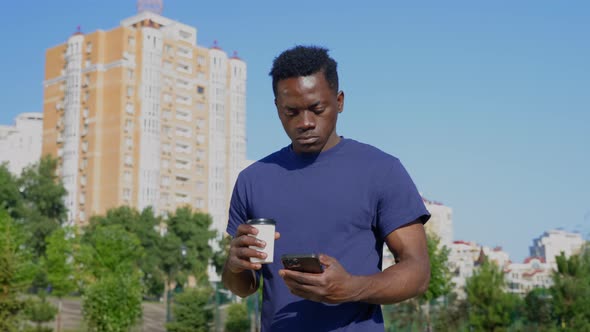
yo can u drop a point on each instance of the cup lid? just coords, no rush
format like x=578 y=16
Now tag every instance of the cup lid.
x=261 y=221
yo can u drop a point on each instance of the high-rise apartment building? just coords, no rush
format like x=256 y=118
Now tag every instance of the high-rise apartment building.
x=552 y=243
x=141 y=115
x=441 y=221
x=20 y=145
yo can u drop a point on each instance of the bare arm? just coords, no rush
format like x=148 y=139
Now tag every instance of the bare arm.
x=238 y=272
x=406 y=279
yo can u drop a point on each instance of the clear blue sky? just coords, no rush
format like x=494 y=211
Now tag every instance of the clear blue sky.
x=487 y=103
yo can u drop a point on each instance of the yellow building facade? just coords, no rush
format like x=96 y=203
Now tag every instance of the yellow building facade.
x=141 y=115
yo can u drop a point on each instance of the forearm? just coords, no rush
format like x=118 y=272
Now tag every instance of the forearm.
x=242 y=284
x=402 y=281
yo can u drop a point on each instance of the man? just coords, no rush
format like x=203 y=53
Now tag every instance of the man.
x=328 y=195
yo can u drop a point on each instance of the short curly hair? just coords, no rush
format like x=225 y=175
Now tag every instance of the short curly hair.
x=304 y=61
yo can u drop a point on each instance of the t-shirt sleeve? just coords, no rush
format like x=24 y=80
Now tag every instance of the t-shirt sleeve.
x=398 y=202
x=238 y=213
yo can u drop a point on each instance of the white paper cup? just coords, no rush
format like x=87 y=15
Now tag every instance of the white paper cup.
x=266 y=233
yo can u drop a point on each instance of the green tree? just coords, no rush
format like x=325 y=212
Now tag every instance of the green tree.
x=144 y=226
x=59 y=265
x=43 y=208
x=237 y=318
x=490 y=307
x=10 y=196
x=40 y=311
x=113 y=303
x=571 y=291
x=220 y=256
x=185 y=249
x=113 y=293
x=16 y=272
x=538 y=309
x=192 y=311
x=417 y=310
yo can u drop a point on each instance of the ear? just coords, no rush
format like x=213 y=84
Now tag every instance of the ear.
x=340 y=101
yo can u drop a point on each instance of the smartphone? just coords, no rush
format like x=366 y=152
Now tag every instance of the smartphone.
x=309 y=263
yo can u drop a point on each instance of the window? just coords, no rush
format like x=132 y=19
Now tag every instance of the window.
x=131 y=41
x=128 y=160
x=200 y=170
x=126 y=194
x=200 y=123
x=129 y=108
x=165 y=180
x=85 y=112
x=167 y=98
x=128 y=142
x=86 y=96
x=201 y=76
x=200 y=90
x=200 y=106
x=82 y=198
x=129 y=91
x=87 y=79
x=128 y=125
x=200 y=203
x=88 y=63
x=200 y=139
x=127 y=176
x=201 y=60
x=183 y=115
x=130 y=74
x=200 y=186
x=82 y=216
x=168 y=49
x=166 y=147
x=83 y=180
x=200 y=154
x=165 y=163
x=84 y=146
x=88 y=47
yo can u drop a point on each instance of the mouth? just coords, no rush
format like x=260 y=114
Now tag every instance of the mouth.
x=307 y=140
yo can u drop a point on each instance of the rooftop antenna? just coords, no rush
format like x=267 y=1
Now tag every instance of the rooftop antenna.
x=153 y=6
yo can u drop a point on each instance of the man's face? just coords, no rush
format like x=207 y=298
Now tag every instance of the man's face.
x=308 y=109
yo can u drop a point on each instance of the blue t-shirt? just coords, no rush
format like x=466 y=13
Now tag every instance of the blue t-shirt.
x=343 y=203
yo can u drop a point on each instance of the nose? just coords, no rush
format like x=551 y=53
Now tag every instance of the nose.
x=306 y=121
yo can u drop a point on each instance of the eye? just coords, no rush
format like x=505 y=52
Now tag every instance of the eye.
x=290 y=112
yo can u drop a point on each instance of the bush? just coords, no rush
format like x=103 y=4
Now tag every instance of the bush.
x=237 y=318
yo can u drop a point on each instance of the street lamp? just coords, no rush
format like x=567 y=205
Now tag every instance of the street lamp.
x=183 y=252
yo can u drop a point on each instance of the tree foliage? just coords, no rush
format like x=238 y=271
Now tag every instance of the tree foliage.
x=192 y=311
x=571 y=292
x=112 y=293
x=440 y=275
x=490 y=307
x=43 y=203
x=237 y=318
x=113 y=303
x=144 y=225
x=40 y=311
x=16 y=272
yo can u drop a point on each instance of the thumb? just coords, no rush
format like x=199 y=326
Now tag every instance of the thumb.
x=327 y=260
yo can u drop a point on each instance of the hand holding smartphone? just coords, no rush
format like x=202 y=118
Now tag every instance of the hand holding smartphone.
x=309 y=263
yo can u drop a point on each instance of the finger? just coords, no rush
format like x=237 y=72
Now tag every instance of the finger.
x=246 y=241
x=327 y=260
x=300 y=278
x=245 y=229
x=237 y=265
x=277 y=235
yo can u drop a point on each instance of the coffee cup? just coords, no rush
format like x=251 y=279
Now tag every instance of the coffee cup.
x=266 y=233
